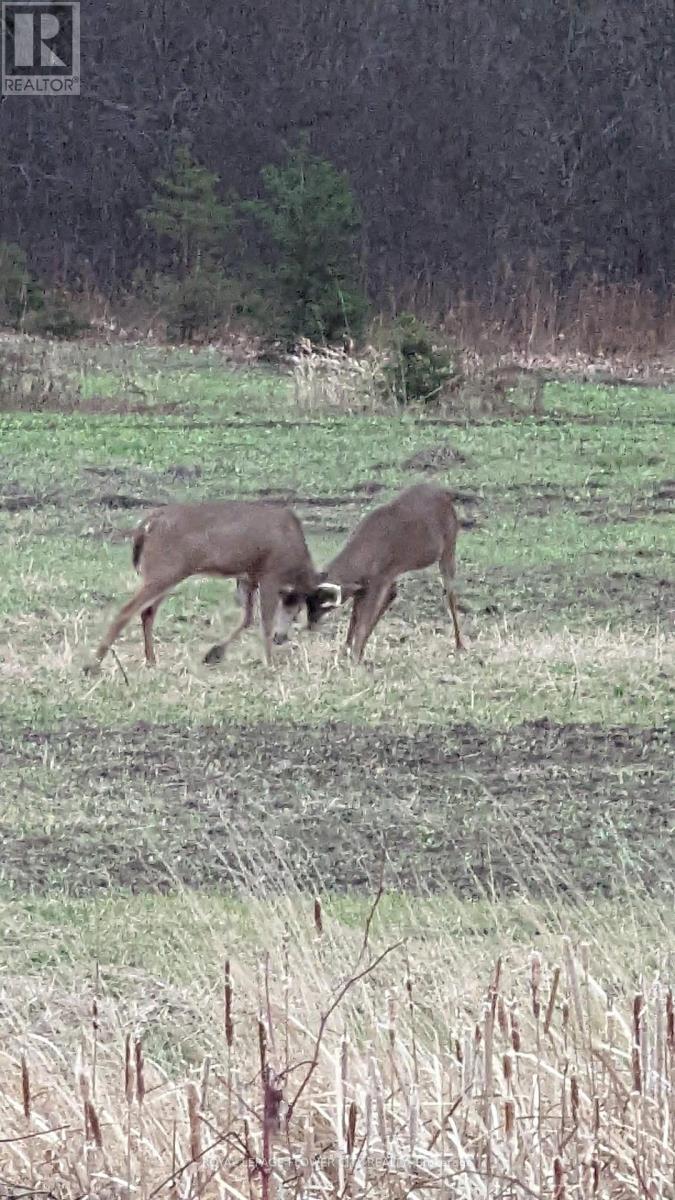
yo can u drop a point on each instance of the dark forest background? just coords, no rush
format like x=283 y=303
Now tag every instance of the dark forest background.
x=486 y=141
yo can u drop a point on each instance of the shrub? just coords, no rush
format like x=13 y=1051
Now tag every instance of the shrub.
x=416 y=370
x=55 y=318
x=20 y=294
x=194 y=303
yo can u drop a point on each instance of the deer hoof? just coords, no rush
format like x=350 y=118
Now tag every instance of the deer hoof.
x=215 y=655
x=92 y=667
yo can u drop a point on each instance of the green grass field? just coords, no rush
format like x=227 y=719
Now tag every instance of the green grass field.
x=520 y=791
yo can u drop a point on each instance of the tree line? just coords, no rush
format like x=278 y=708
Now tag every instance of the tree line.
x=483 y=141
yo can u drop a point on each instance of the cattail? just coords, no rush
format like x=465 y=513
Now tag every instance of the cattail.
x=507 y=1070
x=535 y=983
x=25 y=1088
x=595 y=1176
x=574 y=1098
x=318 y=917
x=94 y=1032
x=502 y=1018
x=411 y=1011
x=128 y=1071
x=351 y=1128
x=636 y=1068
x=273 y=1098
x=551 y=999
x=194 y=1122
x=670 y=1021
x=262 y=1044
x=565 y=1014
x=140 y=1070
x=510 y=1118
x=559 y=1189
x=229 y=1025
x=93 y=1124
x=515 y=1029
x=636 y=1063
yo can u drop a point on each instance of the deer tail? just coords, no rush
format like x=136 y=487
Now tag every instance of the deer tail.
x=140 y=534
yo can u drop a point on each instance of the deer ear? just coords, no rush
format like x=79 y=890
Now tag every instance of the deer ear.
x=330 y=595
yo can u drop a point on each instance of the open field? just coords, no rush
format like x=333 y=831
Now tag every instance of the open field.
x=154 y=822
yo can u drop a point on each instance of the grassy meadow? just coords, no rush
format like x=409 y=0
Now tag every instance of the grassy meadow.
x=443 y=884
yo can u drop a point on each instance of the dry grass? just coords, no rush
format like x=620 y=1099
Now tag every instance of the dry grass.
x=332 y=379
x=579 y=674
x=333 y=1062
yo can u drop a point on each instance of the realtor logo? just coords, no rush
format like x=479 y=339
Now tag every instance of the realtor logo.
x=40 y=48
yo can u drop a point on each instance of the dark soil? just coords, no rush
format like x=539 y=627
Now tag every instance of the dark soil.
x=550 y=807
x=624 y=598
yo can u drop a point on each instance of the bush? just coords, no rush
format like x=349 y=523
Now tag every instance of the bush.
x=20 y=294
x=195 y=303
x=416 y=371
x=55 y=318
x=312 y=219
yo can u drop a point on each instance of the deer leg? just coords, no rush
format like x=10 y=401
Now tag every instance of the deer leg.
x=447 y=566
x=388 y=600
x=356 y=603
x=147 y=620
x=146 y=597
x=373 y=604
x=269 y=601
x=246 y=593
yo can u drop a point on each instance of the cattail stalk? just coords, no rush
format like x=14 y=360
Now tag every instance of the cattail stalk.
x=559 y=1189
x=25 y=1088
x=636 y=1056
x=129 y=1097
x=94 y=1035
x=411 y=1013
x=551 y=999
x=93 y=1123
x=195 y=1129
x=139 y=1063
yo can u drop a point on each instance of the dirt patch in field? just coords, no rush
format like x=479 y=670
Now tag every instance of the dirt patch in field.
x=598 y=504
x=434 y=458
x=628 y=598
x=554 y=807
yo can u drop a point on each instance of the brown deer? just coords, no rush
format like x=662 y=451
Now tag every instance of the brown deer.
x=414 y=530
x=262 y=545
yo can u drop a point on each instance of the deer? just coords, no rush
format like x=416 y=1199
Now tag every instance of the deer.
x=414 y=530
x=262 y=545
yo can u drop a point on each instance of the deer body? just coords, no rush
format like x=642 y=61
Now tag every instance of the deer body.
x=414 y=530
x=262 y=545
